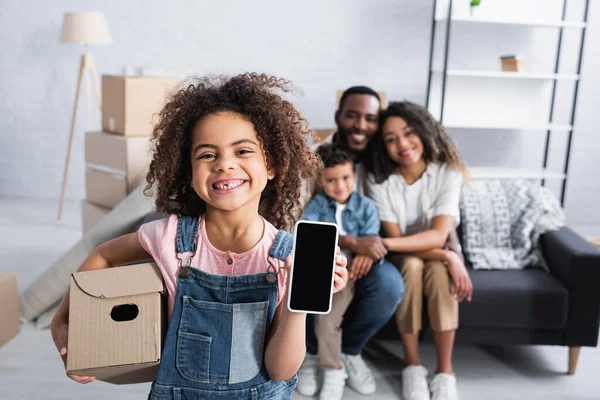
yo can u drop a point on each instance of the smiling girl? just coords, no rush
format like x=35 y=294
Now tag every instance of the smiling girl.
x=230 y=156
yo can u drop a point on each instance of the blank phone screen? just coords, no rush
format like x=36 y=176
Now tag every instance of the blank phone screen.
x=314 y=258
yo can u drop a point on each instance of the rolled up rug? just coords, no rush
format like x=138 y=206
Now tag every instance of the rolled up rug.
x=48 y=288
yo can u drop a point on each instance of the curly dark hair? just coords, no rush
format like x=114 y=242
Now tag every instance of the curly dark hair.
x=438 y=147
x=280 y=128
x=333 y=154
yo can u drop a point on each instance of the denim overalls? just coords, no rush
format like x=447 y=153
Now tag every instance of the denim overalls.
x=216 y=338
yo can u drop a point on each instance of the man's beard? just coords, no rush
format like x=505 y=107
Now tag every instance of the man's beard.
x=341 y=139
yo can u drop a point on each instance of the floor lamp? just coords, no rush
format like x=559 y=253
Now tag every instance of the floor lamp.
x=83 y=28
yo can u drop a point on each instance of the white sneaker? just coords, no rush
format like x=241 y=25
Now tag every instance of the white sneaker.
x=414 y=383
x=443 y=387
x=307 y=376
x=360 y=377
x=334 y=381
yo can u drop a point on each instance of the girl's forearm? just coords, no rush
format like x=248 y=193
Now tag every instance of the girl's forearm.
x=123 y=250
x=287 y=347
x=419 y=242
x=94 y=261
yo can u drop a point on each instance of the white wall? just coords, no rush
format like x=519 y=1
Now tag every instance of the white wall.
x=321 y=45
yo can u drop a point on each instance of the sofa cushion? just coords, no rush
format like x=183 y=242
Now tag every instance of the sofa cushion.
x=520 y=299
x=502 y=221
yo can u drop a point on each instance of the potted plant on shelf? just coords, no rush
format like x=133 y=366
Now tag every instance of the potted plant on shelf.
x=474 y=5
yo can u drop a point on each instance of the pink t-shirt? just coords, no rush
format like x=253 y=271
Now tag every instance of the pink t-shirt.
x=159 y=240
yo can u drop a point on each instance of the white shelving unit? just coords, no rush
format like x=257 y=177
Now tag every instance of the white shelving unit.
x=550 y=24
x=547 y=127
x=508 y=75
x=461 y=98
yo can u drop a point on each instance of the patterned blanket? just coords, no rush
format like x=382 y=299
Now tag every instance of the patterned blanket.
x=502 y=220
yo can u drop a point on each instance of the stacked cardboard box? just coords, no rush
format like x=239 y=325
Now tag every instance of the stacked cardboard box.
x=9 y=307
x=117 y=158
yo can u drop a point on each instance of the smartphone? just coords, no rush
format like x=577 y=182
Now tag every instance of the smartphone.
x=313 y=267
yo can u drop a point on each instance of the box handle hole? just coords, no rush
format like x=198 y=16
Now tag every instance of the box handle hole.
x=124 y=312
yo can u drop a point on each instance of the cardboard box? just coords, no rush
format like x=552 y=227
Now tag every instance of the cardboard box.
x=512 y=64
x=128 y=155
x=91 y=214
x=108 y=188
x=322 y=134
x=594 y=240
x=115 y=165
x=129 y=103
x=9 y=307
x=117 y=323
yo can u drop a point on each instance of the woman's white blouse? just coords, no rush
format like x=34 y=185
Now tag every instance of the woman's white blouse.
x=441 y=185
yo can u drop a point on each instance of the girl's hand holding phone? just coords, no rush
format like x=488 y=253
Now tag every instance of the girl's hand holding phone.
x=340 y=278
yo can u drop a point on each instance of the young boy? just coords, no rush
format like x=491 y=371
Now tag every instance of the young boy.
x=355 y=215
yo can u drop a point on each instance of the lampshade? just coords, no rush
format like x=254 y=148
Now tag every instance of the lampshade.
x=86 y=28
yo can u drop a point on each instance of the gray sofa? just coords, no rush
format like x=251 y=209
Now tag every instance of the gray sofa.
x=531 y=306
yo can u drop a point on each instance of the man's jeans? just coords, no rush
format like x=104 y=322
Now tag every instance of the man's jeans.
x=376 y=298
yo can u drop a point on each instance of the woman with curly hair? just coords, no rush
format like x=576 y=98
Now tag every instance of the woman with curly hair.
x=416 y=176
x=229 y=159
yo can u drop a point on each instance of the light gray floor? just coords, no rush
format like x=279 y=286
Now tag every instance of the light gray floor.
x=31 y=238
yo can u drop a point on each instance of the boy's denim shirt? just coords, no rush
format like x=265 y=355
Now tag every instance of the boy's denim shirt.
x=359 y=218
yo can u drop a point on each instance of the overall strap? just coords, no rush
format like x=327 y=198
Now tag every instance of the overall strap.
x=187 y=229
x=282 y=246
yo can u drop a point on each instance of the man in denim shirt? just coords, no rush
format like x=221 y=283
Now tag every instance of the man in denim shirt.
x=355 y=216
